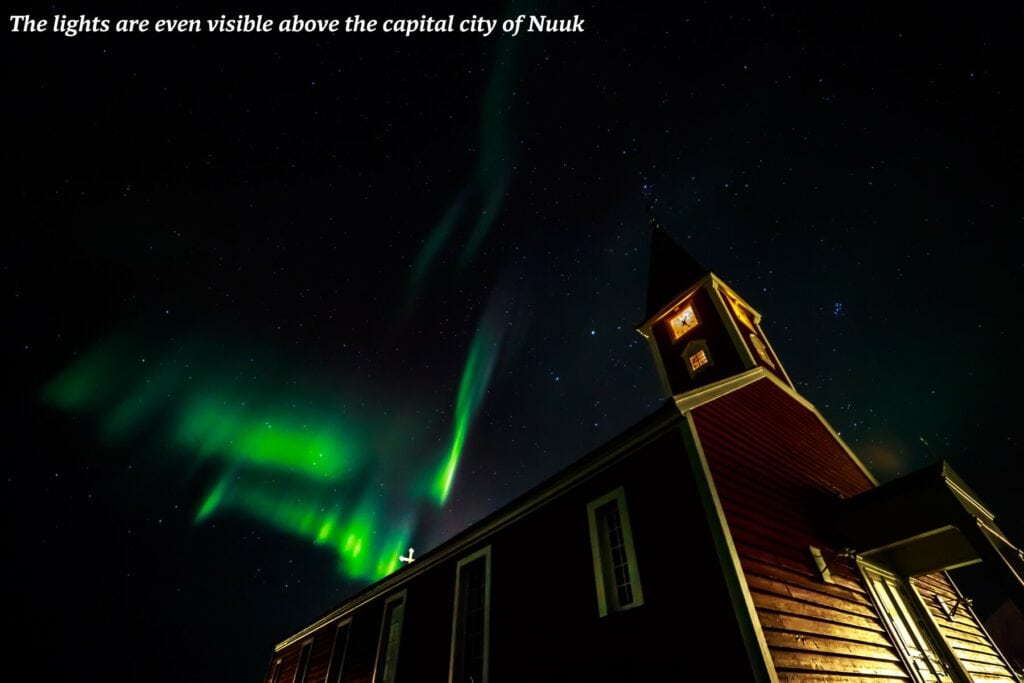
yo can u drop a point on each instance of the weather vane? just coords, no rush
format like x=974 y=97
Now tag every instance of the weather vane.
x=409 y=559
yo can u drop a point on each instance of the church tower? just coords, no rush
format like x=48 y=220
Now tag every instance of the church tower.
x=700 y=330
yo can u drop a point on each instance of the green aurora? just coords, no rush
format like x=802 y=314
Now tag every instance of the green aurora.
x=308 y=465
x=476 y=375
x=480 y=201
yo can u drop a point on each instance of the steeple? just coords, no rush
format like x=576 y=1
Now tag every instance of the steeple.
x=672 y=270
x=700 y=331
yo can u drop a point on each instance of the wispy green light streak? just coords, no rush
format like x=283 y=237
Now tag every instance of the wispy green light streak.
x=367 y=546
x=87 y=382
x=212 y=500
x=304 y=464
x=494 y=169
x=219 y=427
x=432 y=247
x=488 y=186
x=476 y=375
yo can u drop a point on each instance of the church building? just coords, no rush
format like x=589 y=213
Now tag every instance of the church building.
x=731 y=535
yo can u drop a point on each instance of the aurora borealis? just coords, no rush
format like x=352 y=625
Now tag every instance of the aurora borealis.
x=485 y=192
x=307 y=467
x=476 y=375
x=278 y=308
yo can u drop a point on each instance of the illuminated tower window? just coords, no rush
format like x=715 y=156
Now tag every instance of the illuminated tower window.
x=740 y=311
x=682 y=322
x=762 y=350
x=615 y=566
x=697 y=356
x=698 y=360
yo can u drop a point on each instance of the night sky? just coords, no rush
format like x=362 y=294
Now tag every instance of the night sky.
x=277 y=307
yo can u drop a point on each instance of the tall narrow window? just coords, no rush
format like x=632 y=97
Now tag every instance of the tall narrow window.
x=611 y=543
x=337 y=666
x=390 y=635
x=275 y=672
x=302 y=670
x=901 y=621
x=471 y=622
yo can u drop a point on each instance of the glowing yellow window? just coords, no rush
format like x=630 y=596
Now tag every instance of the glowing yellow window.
x=698 y=360
x=762 y=350
x=741 y=312
x=682 y=322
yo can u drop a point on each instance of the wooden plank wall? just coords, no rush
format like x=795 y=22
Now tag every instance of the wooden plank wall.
x=963 y=632
x=778 y=472
x=289 y=662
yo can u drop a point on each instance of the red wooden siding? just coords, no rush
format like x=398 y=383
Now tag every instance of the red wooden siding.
x=779 y=471
x=320 y=660
x=321 y=656
x=289 y=660
x=963 y=632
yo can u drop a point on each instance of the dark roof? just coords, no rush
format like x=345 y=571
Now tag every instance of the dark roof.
x=930 y=520
x=672 y=271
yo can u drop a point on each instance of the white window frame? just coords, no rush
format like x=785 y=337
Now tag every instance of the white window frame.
x=302 y=673
x=378 y=669
x=920 y=627
x=603 y=571
x=486 y=554
x=344 y=623
x=275 y=671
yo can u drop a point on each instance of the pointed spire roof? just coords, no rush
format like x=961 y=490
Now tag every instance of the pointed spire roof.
x=671 y=272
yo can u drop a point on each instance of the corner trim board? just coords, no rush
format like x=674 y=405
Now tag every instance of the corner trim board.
x=760 y=656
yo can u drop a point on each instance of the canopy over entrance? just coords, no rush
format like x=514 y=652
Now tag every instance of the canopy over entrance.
x=929 y=521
